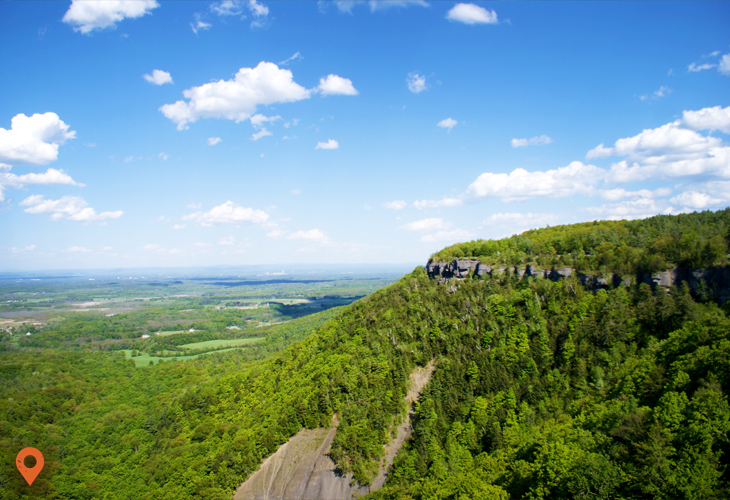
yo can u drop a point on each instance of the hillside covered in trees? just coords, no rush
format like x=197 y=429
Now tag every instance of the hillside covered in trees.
x=689 y=240
x=541 y=390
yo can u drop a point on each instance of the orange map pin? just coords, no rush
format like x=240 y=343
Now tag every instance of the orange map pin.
x=30 y=473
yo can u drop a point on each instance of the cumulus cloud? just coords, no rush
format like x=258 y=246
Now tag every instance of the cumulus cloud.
x=330 y=144
x=663 y=91
x=311 y=235
x=158 y=77
x=229 y=240
x=89 y=15
x=77 y=249
x=238 y=98
x=469 y=13
x=262 y=133
x=521 y=184
x=448 y=123
x=447 y=236
x=212 y=141
x=179 y=226
x=395 y=205
x=336 y=85
x=195 y=206
x=445 y=202
x=416 y=83
x=227 y=213
x=70 y=207
x=296 y=191
x=258 y=120
x=33 y=140
x=695 y=200
x=716 y=118
x=672 y=150
x=51 y=177
x=426 y=225
x=375 y=5
x=534 y=141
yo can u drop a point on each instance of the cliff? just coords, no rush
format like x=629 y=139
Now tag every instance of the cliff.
x=714 y=282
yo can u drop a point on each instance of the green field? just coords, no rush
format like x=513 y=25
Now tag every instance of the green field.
x=144 y=359
x=214 y=344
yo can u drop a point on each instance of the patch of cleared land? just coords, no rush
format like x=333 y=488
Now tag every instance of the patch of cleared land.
x=214 y=344
x=144 y=359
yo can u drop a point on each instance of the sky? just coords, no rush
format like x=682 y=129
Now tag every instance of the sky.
x=152 y=134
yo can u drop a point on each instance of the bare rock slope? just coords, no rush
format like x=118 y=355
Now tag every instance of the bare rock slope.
x=301 y=469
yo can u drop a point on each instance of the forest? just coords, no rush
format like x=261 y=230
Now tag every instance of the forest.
x=542 y=389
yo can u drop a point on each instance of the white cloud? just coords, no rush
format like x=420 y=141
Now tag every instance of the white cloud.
x=426 y=225
x=296 y=57
x=716 y=118
x=521 y=184
x=330 y=144
x=158 y=77
x=534 y=141
x=518 y=221
x=672 y=150
x=50 y=177
x=236 y=99
x=696 y=68
x=336 y=85
x=258 y=120
x=663 y=91
x=724 y=66
x=448 y=123
x=227 y=8
x=153 y=247
x=311 y=235
x=446 y=202
x=163 y=156
x=179 y=226
x=375 y=5
x=471 y=14
x=212 y=141
x=262 y=133
x=275 y=233
x=638 y=209
x=30 y=248
x=292 y=123
x=33 y=140
x=416 y=83
x=71 y=207
x=447 y=236
x=395 y=205
x=77 y=249
x=229 y=240
x=195 y=206
x=296 y=191
x=620 y=194
x=227 y=213
x=199 y=25
x=88 y=15
x=695 y=200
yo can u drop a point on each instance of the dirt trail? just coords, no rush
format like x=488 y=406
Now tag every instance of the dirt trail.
x=302 y=469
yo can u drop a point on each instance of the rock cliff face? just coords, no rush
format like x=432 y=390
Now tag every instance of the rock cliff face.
x=301 y=469
x=715 y=282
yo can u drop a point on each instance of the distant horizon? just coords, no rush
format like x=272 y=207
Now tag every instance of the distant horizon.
x=137 y=134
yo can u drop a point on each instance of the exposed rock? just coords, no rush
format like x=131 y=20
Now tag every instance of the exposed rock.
x=713 y=283
x=301 y=469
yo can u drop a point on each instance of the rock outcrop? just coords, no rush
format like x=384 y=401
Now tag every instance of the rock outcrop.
x=301 y=469
x=713 y=282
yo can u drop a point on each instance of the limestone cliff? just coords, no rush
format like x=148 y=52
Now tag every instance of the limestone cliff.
x=714 y=281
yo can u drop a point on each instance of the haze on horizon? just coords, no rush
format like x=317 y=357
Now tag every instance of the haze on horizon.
x=148 y=133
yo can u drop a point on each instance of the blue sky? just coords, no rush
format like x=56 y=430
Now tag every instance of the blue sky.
x=149 y=133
